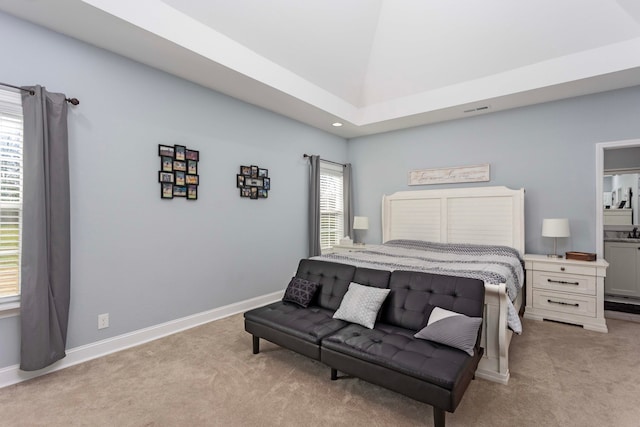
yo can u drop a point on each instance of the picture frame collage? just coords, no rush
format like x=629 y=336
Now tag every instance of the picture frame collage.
x=178 y=175
x=254 y=182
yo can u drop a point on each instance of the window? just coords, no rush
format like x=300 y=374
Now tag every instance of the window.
x=331 y=205
x=10 y=197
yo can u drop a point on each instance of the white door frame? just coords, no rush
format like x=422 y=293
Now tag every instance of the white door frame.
x=600 y=147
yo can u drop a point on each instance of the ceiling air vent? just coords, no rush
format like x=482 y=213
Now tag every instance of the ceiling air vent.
x=473 y=110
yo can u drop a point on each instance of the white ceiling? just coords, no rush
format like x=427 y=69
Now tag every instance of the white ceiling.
x=375 y=65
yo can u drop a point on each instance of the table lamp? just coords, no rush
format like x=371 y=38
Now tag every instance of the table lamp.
x=555 y=227
x=360 y=223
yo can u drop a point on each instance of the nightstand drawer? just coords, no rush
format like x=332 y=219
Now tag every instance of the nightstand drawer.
x=564 y=303
x=565 y=268
x=564 y=282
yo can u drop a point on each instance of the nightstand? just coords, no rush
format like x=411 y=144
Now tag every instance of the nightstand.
x=348 y=248
x=566 y=290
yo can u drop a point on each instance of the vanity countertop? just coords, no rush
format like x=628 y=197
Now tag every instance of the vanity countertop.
x=621 y=239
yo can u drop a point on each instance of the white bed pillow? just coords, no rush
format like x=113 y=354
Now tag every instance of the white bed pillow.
x=361 y=304
x=452 y=329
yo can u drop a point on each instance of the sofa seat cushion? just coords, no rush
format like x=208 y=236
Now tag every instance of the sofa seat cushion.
x=310 y=324
x=396 y=348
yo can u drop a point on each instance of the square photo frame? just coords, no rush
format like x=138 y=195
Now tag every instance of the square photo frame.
x=192 y=155
x=166 y=190
x=165 y=177
x=180 y=152
x=179 y=191
x=191 y=179
x=179 y=166
x=179 y=178
x=253 y=182
x=245 y=170
x=263 y=173
x=166 y=164
x=165 y=150
x=192 y=167
x=192 y=192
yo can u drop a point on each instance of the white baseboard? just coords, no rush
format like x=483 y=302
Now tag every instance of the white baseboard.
x=13 y=375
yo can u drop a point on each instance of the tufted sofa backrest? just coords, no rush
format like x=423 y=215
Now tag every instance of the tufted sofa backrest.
x=371 y=277
x=334 y=278
x=414 y=295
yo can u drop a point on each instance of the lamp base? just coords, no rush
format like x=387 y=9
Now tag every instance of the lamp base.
x=554 y=256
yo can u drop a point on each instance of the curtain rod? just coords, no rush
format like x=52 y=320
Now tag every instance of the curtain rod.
x=328 y=161
x=72 y=101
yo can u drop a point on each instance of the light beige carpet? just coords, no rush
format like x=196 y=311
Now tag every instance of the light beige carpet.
x=561 y=375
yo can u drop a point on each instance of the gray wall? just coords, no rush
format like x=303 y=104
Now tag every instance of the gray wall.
x=147 y=261
x=547 y=149
x=142 y=259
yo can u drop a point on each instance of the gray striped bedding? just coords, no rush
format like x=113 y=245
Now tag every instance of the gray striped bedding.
x=492 y=264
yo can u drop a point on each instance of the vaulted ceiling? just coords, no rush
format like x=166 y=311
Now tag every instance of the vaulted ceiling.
x=373 y=65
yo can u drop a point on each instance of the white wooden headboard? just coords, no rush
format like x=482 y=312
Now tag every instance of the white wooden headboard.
x=481 y=215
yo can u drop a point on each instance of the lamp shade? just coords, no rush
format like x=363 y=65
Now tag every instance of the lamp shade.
x=360 y=223
x=555 y=227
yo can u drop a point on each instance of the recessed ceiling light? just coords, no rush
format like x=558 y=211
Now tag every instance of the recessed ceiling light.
x=336 y=124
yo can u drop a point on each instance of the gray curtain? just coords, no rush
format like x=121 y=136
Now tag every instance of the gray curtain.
x=44 y=305
x=314 y=206
x=348 y=201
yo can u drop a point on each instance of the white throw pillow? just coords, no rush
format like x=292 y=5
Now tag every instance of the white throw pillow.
x=361 y=304
x=452 y=329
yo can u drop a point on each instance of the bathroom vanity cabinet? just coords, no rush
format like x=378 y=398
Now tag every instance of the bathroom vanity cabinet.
x=623 y=275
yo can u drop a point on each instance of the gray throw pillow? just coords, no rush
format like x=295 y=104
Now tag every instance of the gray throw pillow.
x=452 y=329
x=300 y=291
x=361 y=304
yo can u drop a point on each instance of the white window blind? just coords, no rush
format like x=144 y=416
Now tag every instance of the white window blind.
x=10 y=192
x=331 y=205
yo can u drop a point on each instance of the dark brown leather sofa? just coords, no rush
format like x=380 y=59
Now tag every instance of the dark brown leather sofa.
x=388 y=355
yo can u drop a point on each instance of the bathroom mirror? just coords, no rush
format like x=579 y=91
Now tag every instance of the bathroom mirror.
x=619 y=188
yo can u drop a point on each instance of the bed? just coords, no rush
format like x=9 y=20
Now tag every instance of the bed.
x=465 y=219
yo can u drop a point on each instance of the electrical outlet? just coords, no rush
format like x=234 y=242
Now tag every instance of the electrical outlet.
x=103 y=321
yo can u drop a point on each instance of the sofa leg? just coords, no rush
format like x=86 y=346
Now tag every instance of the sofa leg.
x=334 y=374
x=256 y=344
x=438 y=417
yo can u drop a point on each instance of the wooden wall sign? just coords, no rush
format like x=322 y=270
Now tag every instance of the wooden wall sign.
x=478 y=173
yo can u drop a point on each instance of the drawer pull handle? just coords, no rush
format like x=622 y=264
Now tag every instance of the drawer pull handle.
x=563 y=303
x=561 y=268
x=562 y=282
